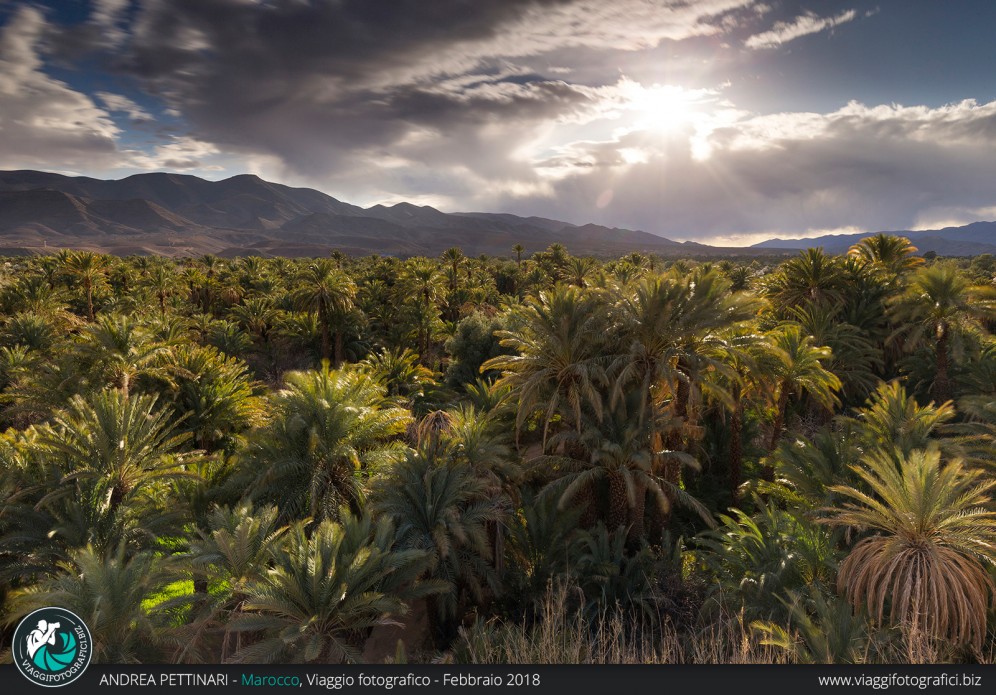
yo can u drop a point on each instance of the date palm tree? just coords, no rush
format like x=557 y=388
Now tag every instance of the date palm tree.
x=812 y=276
x=518 y=249
x=117 y=447
x=799 y=371
x=928 y=539
x=893 y=419
x=122 y=350
x=89 y=271
x=939 y=307
x=329 y=293
x=894 y=255
x=751 y=359
x=444 y=509
x=230 y=553
x=109 y=592
x=216 y=394
x=332 y=430
x=327 y=589
x=559 y=365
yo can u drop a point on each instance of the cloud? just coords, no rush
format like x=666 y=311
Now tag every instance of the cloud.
x=794 y=174
x=108 y=16
x=180 y=152
x=331 y=88
x=122 y=104
x=43 y=120
x=803 y=25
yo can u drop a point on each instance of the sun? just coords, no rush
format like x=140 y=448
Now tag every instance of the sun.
x=664 y=109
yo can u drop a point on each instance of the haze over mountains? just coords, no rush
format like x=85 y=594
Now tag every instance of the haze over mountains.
x=176 y=214
x=970 y=240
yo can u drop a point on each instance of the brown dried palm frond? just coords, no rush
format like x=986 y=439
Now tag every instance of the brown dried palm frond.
x=925 y=563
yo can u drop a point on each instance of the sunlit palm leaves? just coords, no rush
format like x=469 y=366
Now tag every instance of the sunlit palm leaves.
x=559 y=367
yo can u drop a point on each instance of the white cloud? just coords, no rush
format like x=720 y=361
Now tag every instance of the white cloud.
x=122 y=104
x=43 y=120
x=803 y=25
x=180 y=152
x=108 y=15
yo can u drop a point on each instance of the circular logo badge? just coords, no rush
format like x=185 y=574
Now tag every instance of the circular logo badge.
x=52 y=647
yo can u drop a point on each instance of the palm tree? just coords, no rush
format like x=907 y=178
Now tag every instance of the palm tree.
x=123 y=350
x=116 y=447
x=825 y=630
x=518 y=249
x=940 y=306
x=211 y=264
x=812 y=276
x=893 y=254
x=327 y=589
x=856 y=359
x=893 y=419
x=256 y=315
x=931 y=535
x=400 y=371
x=89 y=270
x=443 y=509
x=110 y=593
x=750 y=358
x=333 y=429
x=329 y=293
x=162 y=282
x=216 y=394
x=617 y=453
x=799 y=370
x=423 y=282
x=559 y=363
x=232 y=552
x=676 y=324
x=577 y=270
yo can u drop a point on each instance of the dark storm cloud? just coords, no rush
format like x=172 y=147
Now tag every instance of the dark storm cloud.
x=317 y=84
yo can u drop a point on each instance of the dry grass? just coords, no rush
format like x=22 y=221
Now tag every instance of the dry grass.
x=563 y=636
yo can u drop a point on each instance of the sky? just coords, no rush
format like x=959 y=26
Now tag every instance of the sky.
x=722 y=121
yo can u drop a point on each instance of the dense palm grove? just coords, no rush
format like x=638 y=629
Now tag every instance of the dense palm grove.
x=275 y=460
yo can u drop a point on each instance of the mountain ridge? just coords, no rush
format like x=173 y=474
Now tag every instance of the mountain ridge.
x=177 y=214
x=181 y=214
x=968 y=240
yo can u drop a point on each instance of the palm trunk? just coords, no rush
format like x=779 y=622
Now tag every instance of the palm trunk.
x=326 y=339
x=618 y=514
x=780 y=408
x=736 y=450
x=89 y=301
x=776 y=430
x=942 y=383
x=672 y=466
x=587 y=504
x=338 y=349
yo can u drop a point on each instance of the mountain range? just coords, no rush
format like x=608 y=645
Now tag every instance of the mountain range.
x=969 y=240
x=178 y=214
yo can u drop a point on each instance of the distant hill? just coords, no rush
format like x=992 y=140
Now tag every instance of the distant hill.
x=970 y=240
x=178 y=214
